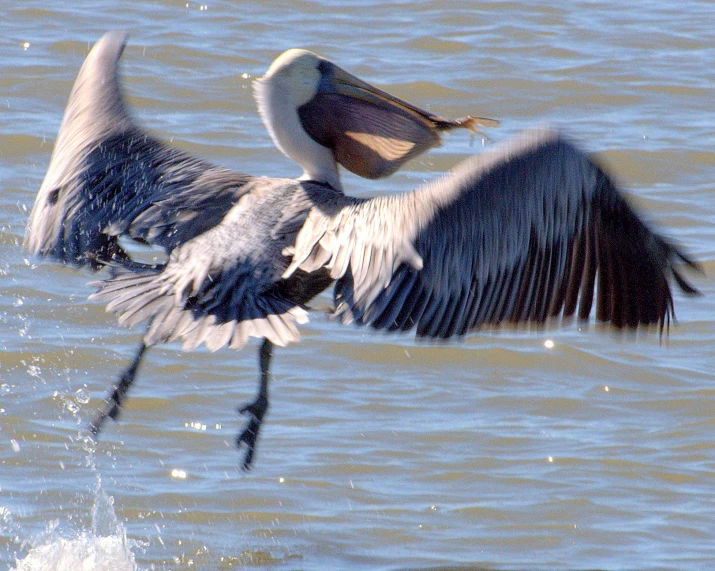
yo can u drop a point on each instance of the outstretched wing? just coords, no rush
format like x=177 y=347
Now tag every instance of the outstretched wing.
x=107 y=177
x=525 y=233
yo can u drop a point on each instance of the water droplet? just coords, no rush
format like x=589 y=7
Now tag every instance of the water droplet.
x=34 y=371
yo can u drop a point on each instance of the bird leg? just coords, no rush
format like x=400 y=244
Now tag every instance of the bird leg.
x=257 y=408
x=114 y=401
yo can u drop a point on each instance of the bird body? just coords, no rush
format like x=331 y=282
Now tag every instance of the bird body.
x=528 y=231
x=225 y=285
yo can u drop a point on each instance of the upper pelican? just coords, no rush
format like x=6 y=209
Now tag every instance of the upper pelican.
x=520 y=234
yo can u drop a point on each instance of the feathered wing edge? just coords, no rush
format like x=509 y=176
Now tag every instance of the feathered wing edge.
x=524 y=233
x=108 y=177
x=83 y=123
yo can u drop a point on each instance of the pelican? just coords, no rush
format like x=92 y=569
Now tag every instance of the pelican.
x=529 y=231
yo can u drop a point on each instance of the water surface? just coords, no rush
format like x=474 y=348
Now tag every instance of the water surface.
x=379 y=452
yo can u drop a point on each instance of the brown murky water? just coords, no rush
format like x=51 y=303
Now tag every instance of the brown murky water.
x=379 y=452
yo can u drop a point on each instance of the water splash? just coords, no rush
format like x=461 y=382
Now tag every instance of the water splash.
x=85 y=552
x=104 y=548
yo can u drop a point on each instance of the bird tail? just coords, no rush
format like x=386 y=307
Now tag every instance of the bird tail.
x=151 y=295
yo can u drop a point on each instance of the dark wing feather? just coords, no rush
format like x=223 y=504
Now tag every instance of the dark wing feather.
x=521 y=234
x=108 y=177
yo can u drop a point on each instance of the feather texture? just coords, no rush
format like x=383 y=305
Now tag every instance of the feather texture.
x=529 y=231
x=522 y=233
x=108 y=177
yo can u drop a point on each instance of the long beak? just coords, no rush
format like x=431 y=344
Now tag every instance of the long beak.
x=371 y=132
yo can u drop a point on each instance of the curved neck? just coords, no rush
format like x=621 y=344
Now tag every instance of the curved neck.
x=280 y=116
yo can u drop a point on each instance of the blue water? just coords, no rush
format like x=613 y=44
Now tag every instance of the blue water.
x=378 y=452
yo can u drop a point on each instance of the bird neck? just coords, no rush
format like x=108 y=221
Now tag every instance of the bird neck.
x=280 y=116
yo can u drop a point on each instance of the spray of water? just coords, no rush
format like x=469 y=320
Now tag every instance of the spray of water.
x=104 y=547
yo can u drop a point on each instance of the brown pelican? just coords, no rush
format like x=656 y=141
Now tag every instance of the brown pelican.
x=530 y=231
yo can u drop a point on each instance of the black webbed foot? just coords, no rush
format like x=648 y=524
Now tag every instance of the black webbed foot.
x=257 y=409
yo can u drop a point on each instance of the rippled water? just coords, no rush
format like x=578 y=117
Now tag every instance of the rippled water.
x=379 y=452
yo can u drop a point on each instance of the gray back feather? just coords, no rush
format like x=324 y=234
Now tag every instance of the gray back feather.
x=225 y=285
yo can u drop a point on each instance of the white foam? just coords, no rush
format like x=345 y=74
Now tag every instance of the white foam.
x=86 y=552
x=104 y=548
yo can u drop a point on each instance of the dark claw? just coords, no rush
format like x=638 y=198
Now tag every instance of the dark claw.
x=257 y=409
